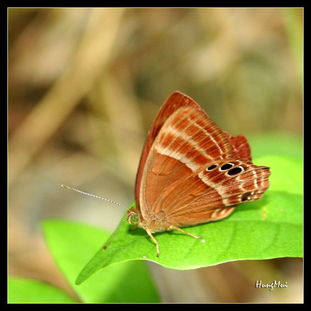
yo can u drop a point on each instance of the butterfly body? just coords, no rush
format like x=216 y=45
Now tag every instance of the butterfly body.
x=192 y=172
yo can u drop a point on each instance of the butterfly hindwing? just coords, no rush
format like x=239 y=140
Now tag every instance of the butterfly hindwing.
x=211 y=194
x=240 y=147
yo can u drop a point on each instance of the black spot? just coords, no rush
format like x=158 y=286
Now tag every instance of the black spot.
x=106 y=245
x=245 y=196
x=226 y=166
x=212 y=167
x=235 y=170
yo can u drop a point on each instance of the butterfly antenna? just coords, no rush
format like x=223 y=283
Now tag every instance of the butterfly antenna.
x=90 y=194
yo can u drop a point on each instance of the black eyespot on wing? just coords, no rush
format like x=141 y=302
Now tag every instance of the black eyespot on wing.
x=245 y=196
x=226 y=166
x=211 y=167
x=235 y=171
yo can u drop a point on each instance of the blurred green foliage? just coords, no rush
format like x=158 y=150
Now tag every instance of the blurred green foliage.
x=22 y=290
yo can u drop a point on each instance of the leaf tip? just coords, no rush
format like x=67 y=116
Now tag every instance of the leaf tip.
x=80 y=279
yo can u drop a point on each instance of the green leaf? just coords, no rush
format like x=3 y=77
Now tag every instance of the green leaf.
x=22 y=290
x=268 y=228
x=72 y=245
x=286 y=173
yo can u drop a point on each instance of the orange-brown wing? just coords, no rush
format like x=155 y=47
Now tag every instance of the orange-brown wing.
x=174 y=102
x=222 y=186
x=241 y=147
x=187 y=142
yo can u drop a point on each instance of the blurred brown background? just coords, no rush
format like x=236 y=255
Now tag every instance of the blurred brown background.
x=84 y=87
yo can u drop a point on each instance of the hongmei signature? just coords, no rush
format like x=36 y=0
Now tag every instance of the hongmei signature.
x=271 y=285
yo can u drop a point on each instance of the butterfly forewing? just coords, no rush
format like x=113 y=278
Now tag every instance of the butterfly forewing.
x=190 y=137
x=173 y=103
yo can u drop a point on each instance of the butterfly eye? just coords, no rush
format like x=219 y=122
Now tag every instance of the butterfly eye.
x=226 y=166
x=211 y=167
x=235 y=171
x=132 y=218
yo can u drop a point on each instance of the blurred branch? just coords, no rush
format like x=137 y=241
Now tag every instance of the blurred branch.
x=91 y=58
x=293 y=24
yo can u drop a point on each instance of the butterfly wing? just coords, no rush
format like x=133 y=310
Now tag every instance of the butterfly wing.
x=229 y=183
x=172 y=184
x=173 y=103
x=186 y=142
x=240 y=147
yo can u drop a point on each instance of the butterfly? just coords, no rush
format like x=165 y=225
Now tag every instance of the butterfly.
x=191 y=172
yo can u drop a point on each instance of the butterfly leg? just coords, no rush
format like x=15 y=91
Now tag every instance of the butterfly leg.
x=154 y=241
x=172 y=227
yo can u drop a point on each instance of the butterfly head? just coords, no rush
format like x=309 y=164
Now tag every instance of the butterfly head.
x=133 y=216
